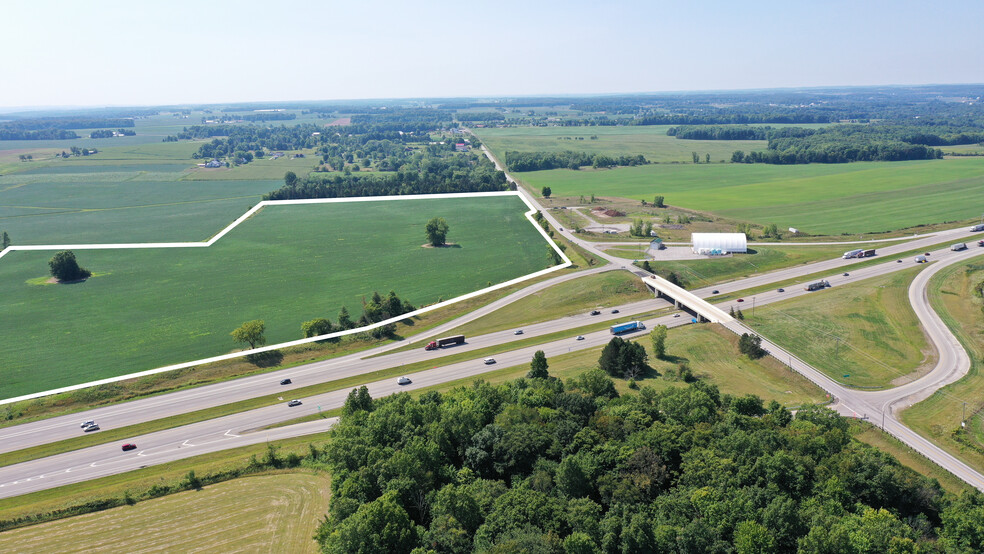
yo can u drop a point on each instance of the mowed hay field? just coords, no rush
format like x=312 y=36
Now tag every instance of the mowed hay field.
x=104 y=201
x=270 y=513
x=148 y=308
x=649 y=140
x=866 y=330
x=862 y=197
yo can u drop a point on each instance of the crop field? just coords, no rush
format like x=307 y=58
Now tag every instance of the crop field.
x=650 y=141
x=288 y=264
x=863 y=334
x=114 y=201
x=252 y=514
x=951 y=293
x=862 y=197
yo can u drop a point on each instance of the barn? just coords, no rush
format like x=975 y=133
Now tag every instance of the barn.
x=718 y=243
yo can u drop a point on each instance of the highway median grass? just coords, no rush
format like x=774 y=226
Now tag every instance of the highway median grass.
x=862 y=334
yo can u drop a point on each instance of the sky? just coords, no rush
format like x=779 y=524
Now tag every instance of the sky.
x=165 y=52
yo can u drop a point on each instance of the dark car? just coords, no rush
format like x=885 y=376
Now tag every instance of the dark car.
x=714 y=292
x=285 y=381
x=846 y=274
x=595 y=312
x=741 y=300
x=293 y=403
x=900 y=261
x=614 y=311
x=129 y=446
x=781 y=290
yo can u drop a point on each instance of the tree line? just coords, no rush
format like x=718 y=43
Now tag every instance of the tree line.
x=73 y=122
x=109 y=133
x=426 y=175
x=543 y=465
x=568 y=159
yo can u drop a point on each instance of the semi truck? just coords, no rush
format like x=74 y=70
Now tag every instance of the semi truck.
x=959 y=246
x=977 y=228
x=867 y=253
x=852 y=253
x=447 y=341
x=819 y=285
x=627 y=327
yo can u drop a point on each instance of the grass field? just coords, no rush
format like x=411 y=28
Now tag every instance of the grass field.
x=120 y=201
x=251 y=514
x=815 y=198
x=863 y=334
x=938 y=417
x=288 y=264
x=651 y=141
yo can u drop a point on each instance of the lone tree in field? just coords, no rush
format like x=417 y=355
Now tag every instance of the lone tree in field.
x=658 y=337
x=4 y=240
x=250 y=333
x=546 y=192
x=538 y=367
x=437 y=231
x=65 y=268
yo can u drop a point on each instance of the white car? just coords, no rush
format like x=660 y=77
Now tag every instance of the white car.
x=489 y=361
x=88 y=423
x=580 y=337
x=518 y=332
x=403 y=381
x=93 y=427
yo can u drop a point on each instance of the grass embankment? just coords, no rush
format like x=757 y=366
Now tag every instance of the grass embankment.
x=862 y=334
x=821 y=199
x=951 y=293
x=247 y=514
x=286 y=265
x=154 y=481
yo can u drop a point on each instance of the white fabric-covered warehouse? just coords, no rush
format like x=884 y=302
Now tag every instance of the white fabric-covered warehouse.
x=718 y=243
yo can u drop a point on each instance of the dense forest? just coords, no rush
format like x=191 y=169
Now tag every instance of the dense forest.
x=76 y=122
x=540 y=465
x=40 y=134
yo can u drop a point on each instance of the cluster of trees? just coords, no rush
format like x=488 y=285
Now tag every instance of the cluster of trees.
x=751 y=346
x=540 y=465
x=640 y=228
x=109 y=133
x=536 y=161
x=375 y=310
x=79 y=151
x=623 y=358
x=436 y=231
x=64 y=266
x=736 y=132
x=26 y=157
x=424 y=175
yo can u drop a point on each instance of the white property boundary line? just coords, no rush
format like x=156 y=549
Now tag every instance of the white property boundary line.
x=529 y=215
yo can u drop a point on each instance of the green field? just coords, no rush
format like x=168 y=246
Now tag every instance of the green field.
x=938 y=417
x=650 y=140
x=816 y=198
x=243 y=515
x=863 y=334
x=288 y=264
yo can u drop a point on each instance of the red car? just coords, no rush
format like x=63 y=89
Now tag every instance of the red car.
x=741 y=300
x=129 y=446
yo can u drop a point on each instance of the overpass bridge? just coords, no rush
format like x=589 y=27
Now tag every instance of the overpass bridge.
x=683 y=298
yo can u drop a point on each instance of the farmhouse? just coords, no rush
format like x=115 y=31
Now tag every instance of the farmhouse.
x=214 y=163
x=718 y=243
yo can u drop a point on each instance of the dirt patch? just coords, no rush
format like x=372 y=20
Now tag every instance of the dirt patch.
x=53 y=281
x=340 y=122
x=607 y=212
x=445 y=245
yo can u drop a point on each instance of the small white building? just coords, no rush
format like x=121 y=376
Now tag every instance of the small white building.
x=718 y=243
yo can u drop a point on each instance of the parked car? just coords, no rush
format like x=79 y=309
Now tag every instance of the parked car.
x=580 y=337
x=780 y=290
x=129 y=446
x=595 y=312
x=93 y=427
x=88 y=423
x=518 y=332
x=285 y=381
x=489 y=361
x=293 y=403
x=403 y=381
